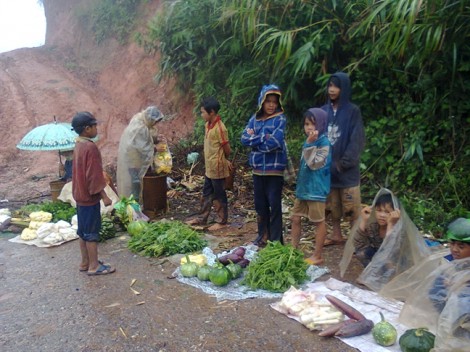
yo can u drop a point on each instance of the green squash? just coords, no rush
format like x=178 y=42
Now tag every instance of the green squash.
x=416 y=340
x=134 y=228
x=189 y=269
x=203 y=272
x=235 y=269
x=384 y=333
x=219 y=276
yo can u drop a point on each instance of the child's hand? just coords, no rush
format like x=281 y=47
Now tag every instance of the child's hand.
x=106 y=200
x=230 y=166
x=393 y=217
x=365 y=213
x=312 y=136
x=250 y=131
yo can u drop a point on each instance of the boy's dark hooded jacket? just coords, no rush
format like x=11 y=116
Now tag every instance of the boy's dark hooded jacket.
x=346 y=134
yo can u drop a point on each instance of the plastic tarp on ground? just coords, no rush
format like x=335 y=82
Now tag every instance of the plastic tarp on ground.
x=368 y=303
x=235 y=291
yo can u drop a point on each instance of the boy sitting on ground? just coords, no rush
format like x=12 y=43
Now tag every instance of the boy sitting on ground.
x=385 y=241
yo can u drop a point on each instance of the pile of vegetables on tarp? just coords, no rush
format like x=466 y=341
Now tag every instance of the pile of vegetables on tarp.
x=54 y=223
x=128 y=210
x=276 y=268
x=59 y=210
x=227 y=267
x=164 y=238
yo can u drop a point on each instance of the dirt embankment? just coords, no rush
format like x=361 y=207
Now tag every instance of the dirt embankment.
x=69 y=74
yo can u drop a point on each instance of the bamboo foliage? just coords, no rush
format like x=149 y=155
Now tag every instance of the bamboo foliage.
x=408 y=59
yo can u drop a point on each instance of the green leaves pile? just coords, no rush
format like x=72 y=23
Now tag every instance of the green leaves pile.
x=166 y=238
x=276 y=268
x=59 y=210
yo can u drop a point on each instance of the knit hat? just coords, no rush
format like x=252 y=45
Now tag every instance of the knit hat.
x=459 y=230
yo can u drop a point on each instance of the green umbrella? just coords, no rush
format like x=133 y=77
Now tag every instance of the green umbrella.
x=52 y=136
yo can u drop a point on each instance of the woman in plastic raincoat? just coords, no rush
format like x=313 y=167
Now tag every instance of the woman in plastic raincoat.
x=401 y=248
x=136 y=152
x=437 y=291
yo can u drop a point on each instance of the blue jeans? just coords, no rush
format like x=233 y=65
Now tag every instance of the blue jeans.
x=268 y=206
x=89 y=222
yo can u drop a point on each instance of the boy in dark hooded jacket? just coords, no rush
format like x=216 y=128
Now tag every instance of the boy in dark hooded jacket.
x=347 y=137
x=264 y=134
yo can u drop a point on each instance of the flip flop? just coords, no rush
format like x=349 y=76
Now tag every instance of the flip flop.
x=311 y=261
x=83 y=270
x=330 y=242
x=102 y=270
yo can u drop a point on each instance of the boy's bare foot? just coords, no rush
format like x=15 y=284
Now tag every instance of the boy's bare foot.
x=195 y=221
x=332 y=241
x=216 y=227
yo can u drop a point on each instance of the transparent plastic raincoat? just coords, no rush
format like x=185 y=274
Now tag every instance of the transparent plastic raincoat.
x=136 y=152
x=437 y=296
x=402 y=248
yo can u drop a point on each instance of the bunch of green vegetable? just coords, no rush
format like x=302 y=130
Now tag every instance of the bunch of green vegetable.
x=59 y=210
x=166 y=238
x=125 y=210
x=276 y=268
x=107 y=229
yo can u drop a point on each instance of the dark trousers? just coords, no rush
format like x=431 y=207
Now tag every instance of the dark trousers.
x=268 y=206
x=215 y=189
x=213 y=192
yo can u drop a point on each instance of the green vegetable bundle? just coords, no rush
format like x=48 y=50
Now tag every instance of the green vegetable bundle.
x=107 y=229
x=276 y=268
x=59 y=210
x=125 y=208
x=166 y=238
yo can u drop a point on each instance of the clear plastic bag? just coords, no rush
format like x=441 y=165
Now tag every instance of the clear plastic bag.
x=162 y=162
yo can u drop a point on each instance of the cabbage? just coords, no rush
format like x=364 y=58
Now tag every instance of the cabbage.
x=136 y=227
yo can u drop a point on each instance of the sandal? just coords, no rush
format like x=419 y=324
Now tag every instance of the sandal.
x=83 y=270
x=311 y=261
x=102 y=270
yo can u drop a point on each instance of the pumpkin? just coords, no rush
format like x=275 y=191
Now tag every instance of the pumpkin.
x=416 y=340
x=235 y=269
x=384 y=333
x=219 y=276
x=189 y=269
x=203 y=272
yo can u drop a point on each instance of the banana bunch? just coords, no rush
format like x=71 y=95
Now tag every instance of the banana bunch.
x=107 y=229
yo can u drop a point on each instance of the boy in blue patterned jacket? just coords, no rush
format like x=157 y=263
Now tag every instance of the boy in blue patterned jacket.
x=313 y=181
x=264 y=134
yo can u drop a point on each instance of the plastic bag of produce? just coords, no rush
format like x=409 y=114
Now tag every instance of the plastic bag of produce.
x=162 y=161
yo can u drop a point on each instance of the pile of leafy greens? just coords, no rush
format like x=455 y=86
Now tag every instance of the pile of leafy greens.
x=166 y=238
